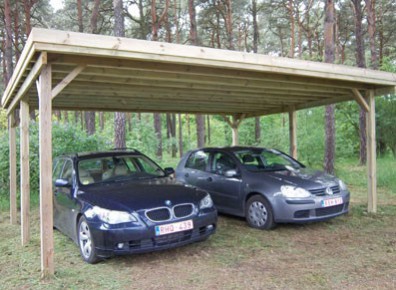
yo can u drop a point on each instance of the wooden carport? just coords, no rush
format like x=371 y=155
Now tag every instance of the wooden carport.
x=74 y=71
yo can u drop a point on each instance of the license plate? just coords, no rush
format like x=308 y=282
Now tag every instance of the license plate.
x=331 y=201
x=174 y=228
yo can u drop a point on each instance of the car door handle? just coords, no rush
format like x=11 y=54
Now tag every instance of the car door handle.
x=210 y=179
x=186 y=175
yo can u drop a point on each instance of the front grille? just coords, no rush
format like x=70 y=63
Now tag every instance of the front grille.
x=159 y=214
x=322 y=191
x=183 y=210
x=329 y=210
x=172 y=238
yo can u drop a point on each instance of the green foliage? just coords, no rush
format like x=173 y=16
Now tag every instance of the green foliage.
x=66 y=139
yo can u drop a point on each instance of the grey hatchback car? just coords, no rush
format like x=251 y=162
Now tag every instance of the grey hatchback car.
x=265 y=186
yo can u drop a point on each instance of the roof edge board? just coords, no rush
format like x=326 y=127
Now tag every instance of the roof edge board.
x=161 y=51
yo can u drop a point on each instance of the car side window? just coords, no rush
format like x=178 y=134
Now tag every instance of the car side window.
x=221 y=163
x=67 y=172
x=57 y=169
x=198 y=160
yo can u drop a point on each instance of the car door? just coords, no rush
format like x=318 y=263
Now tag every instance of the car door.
x=225 y=189
x=196 y=169
x=57 y=170
x=64 y=200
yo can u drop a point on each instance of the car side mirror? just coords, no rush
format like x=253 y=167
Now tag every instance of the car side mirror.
x=62 y=183
x=231 y=173
x=169 y=170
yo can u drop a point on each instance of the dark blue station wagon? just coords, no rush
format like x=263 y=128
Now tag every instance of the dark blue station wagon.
x=121 y=202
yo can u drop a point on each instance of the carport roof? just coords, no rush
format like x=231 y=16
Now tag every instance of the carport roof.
x=105 y=73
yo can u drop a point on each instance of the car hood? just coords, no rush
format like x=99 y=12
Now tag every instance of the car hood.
x=303 y=177
x=137 y=195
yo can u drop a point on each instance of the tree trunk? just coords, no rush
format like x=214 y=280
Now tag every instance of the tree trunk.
x=158 y=133
x=90 y=123
x=257 y=130
x=193 y=23
x=200 y=120
x=361 y=62
x=94 y=17
x=255 y=26
x=119 y=118
x=370 y=6
x=208 y=128
x=292 y=30
x=66 y=116
x=229 y=22
x=8 y=41
x=180 y=136
x=101 y=121
x=79 y=16
x=329 y=43
x=16 y=30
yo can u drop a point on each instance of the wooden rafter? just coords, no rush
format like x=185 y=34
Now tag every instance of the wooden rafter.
x=67 y=80
x=361 y=101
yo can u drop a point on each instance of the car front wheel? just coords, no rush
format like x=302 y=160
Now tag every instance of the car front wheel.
x=259 y=213
x=86 y=243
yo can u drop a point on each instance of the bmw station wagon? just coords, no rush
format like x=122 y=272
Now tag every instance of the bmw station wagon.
x=121 y=202
x=265 y=186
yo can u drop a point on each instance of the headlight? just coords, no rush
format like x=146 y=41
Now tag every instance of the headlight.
x=342 y=185
x=113 y=216
x=291 y=191
x=206 y=202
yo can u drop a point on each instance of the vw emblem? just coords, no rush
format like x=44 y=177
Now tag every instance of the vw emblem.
x=168 y=202
x=329 y=191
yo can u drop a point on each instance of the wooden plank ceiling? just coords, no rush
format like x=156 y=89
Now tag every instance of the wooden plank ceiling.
x=120 y=74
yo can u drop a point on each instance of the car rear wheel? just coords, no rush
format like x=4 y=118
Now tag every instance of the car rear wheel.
x=259 y=213
x=86 y=243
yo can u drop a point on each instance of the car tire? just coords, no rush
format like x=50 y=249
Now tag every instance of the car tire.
x=259 y=213
x=86 y=242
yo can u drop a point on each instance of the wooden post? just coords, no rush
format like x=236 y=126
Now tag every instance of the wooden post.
x=25 y=176
x=235 y=135
x=371 y=154
x=234 y=124
x=45 y=140
x=13 y=169
x=293 y=132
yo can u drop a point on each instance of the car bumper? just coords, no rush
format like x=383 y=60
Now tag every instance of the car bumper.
x=310 y=209
x=141 y=238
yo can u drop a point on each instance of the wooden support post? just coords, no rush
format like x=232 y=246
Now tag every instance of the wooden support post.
x=371 y=154
x=25 y=176
x=13 y=169
x=234 y=124
x=293 y=132
x=45 y=139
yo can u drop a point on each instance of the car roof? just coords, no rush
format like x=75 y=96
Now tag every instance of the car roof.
x=95 y=154
x=232 y=148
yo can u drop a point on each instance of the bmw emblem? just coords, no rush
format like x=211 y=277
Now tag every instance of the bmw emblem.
x=329 y=191
x=168 y=202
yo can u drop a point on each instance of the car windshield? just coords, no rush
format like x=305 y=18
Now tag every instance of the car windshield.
x=266 y=160
x=117 y=168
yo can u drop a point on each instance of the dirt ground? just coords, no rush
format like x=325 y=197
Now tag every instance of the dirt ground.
x=357 y=251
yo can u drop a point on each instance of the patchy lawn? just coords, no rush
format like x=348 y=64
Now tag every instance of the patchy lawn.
x=357 y=251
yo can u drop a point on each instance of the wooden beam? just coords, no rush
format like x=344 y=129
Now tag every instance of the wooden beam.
x=25 y=176
x=293 y=132
x=371 y=155
x=361 y=101
x=13 y=168
x=46 y=202
x=385 y=91
x=23 y=63
x=67 y=80
x=28 y=82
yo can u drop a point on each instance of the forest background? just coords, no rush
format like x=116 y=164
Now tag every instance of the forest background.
x=363 y=35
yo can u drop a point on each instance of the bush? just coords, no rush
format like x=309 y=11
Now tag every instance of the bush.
x=66 y=139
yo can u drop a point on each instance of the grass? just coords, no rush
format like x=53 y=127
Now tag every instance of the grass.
x=357 y=251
